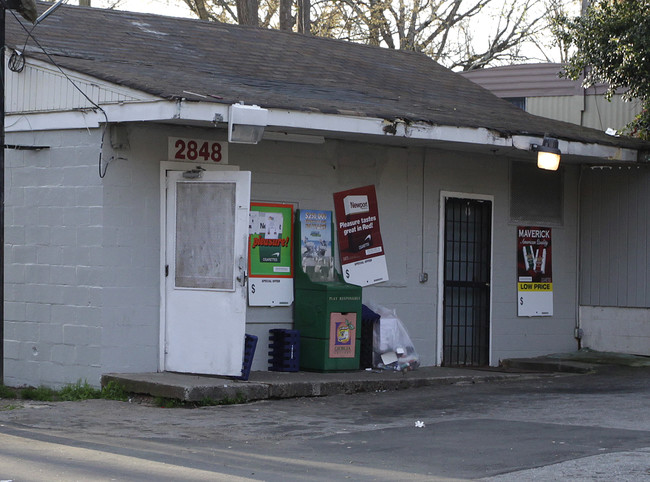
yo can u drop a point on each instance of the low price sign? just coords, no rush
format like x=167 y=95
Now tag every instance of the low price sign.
x=534 y=271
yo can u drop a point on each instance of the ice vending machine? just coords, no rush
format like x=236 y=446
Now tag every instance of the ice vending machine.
x=327 y=311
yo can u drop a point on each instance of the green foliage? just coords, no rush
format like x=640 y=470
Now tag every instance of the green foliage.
x=114 y=391
x=40 y=394
x=6 y=392
x=84 y=391
x=72 y=392
x=6 y=408
x=163 y=402
x=612 y=41
x=79 y=391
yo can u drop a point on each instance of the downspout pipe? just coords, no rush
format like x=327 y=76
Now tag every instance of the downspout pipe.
x=577 y=333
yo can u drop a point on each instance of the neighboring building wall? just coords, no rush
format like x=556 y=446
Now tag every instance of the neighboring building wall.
x=591 y=110
x=617 y=330
x=614 y=276
x=88 y=303
x=548 y=95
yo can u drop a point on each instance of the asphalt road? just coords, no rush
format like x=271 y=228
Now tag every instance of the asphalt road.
x=579 y=427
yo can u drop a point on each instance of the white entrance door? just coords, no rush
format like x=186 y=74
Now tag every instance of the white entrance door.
x=205 y=293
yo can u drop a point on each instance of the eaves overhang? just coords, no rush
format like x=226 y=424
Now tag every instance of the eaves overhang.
x=336 y=126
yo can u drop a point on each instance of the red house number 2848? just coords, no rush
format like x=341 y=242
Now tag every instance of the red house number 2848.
x=187 y=149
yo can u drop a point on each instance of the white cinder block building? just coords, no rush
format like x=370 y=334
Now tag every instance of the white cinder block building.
x=109 y=134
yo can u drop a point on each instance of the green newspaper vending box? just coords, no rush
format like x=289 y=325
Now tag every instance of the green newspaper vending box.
x=327 y=311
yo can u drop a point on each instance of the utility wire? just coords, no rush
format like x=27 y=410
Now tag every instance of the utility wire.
x=102 y=173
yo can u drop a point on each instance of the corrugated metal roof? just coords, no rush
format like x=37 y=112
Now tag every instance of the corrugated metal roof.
x=166 y=56
x=528 y=80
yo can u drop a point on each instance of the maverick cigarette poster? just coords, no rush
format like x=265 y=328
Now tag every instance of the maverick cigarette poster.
x=270 y=254
x=534 y=271
x=363 y=260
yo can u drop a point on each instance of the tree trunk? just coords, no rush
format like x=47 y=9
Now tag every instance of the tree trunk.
x=286 y=19
x=201 y=9
x=247 y=12
x=84 y=3
x=304 y=21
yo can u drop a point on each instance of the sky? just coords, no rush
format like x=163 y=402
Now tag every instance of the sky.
x=163 y=7
x=178 y=8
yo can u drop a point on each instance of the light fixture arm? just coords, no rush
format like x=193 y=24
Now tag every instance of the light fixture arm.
x=47 y=12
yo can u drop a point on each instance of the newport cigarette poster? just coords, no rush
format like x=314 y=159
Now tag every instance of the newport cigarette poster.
x=363 y=260
x=270 y=254
x=534 y=271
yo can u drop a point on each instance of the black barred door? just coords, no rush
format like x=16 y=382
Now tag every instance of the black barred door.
x=466 y=313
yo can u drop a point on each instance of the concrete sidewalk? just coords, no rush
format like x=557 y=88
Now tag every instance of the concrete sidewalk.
x=265 y=384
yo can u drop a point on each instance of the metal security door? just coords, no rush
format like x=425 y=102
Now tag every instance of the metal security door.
x=206 y=243
x=466 y=298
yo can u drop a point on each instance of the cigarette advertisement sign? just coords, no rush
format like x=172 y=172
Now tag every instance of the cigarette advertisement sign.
x=316 y=253
x=343 y=335
x=534 y=271
x=363 y=260
x=270 y=254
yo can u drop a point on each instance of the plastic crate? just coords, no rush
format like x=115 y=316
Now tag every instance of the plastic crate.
x=284 y=350
x=249 y=352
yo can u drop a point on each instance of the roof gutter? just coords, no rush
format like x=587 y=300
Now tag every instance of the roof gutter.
x=210 y=113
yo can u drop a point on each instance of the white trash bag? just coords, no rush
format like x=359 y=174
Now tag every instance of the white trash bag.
x=392 y=345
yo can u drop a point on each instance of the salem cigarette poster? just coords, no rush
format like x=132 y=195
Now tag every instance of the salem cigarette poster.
x=363 y=260
x=270 y=254
x=534 y=271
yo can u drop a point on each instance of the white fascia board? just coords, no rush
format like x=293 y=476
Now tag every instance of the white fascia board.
x=142 y=111
x=380 y=127
x=583 y=149
x=213 y=113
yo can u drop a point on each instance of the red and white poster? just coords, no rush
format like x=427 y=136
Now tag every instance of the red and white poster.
x=534 y=271
x=363 y=260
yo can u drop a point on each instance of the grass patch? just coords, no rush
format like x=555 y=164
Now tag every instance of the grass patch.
x=79 y=391
x=6 y=392
x=114 y=391
x=40 y=394
x=163 y=402
x=7 y=408
x=84 y=391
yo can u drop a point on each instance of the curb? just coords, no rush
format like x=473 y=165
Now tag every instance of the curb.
x=192 y=388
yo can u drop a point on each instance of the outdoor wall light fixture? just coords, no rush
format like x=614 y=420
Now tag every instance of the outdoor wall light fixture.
x=548 y=154
x=246 y=123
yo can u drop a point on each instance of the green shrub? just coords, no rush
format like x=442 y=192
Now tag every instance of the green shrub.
x=6 y=392
x=41 y=394
x=79 y=391
x=114 y=391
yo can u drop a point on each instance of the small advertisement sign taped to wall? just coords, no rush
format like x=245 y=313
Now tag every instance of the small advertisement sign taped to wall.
x=534 y=271
x=363 y=260
x=270 y=254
